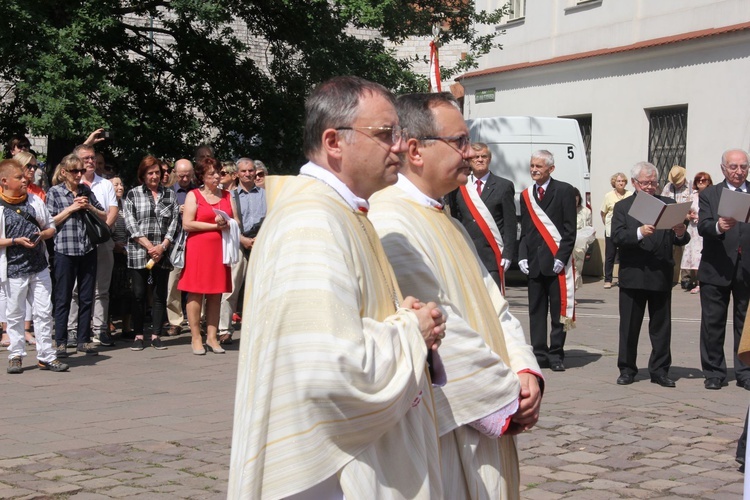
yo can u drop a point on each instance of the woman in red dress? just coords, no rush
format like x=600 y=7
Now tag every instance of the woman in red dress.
x=205 y=274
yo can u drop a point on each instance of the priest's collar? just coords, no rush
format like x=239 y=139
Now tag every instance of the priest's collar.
x=310 y=169
x=413 y=191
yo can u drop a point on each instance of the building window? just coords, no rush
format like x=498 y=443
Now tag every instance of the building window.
x=517 y=10
x=584 y=123
x=667 y=139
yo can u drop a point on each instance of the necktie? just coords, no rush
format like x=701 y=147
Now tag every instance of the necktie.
x=479 y=187
x=736 y=189
x=541 y=193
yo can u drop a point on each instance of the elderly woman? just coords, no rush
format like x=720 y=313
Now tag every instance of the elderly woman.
x=618 y=182
x=205 y=275
x=75 y=255
x=260 y=174
x=151 y=217
x=691 y=254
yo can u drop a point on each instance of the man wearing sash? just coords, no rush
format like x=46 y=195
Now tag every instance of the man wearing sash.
x=646 y=268
x=333 y=398
x=486 y=208
x=548 y=235
x=492 y=390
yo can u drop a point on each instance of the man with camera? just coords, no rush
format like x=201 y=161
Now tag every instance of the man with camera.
x=250 y=202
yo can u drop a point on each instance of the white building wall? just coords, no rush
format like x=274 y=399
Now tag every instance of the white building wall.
x=711 y=75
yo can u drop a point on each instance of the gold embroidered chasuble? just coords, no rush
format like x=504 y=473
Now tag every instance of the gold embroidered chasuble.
x=332 y=378
x=435 y=260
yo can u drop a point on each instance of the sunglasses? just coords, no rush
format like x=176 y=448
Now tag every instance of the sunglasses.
x=701 y=181
x=260 y=175
x=76 y=170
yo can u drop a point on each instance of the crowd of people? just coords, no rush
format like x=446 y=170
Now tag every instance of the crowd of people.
x=86 y=251
x=378 y=325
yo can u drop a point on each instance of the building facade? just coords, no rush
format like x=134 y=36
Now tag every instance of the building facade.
x=667 y=81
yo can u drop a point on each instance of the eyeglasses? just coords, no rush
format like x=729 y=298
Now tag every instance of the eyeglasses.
x=702 y=180
x=461 y=141
x=85 y=158
x=647 y=183
x=734 y=166
x=397 y=134
x=481 y=157
x=222 y=173
x=76 y=170
x=260 y=175
x=31 y=167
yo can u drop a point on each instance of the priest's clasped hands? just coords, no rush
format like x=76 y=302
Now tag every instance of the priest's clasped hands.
x=431 y=321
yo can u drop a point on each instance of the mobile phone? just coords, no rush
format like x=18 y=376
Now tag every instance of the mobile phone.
x=34 y=239
x=107 y=134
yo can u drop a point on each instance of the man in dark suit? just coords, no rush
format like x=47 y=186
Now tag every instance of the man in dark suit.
x=646 y=268
x=548 y=234
x=497 y=194
x=723 y=272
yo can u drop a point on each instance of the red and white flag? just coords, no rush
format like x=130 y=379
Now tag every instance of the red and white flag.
x=434 y=68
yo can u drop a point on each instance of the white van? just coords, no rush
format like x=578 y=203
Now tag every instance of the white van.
x=512 y=140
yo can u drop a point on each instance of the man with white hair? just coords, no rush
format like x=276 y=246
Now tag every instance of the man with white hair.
x=646 y=268
x=723 y=273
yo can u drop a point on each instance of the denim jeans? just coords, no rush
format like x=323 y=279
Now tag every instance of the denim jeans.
x=68 y=270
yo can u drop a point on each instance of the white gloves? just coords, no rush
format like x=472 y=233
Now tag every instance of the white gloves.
x=523 y=265
x=559 y=266
x=505 y=263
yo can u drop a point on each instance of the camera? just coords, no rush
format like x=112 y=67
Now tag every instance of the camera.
x=106 y=134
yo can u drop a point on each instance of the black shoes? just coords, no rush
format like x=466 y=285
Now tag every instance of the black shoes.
x=662 y=380
x=557 y=366
x=745 y=384
x=137 y=345
x=712 y=384
x=157 y=344
x=625 y=379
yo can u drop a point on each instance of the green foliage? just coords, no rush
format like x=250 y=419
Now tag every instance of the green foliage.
x=166 y=75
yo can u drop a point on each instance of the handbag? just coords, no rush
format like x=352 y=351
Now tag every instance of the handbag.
x=96 y=229
x=178 y=250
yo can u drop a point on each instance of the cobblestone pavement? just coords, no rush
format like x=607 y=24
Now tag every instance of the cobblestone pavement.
x=157 y=424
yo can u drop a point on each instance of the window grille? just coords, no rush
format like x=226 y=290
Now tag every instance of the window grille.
x=584 y=123
x=667 y=139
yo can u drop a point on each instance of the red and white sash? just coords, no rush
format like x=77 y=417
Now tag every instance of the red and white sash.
x=487 y=225
x=552 y=238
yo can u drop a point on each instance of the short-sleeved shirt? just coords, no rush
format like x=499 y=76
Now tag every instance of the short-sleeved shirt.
x=23 y=261
x=71 y=238
x=104 y=192
x=252 y=205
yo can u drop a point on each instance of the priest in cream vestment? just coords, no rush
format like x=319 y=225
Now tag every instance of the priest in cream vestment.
x=333 y=399
x=492 y=375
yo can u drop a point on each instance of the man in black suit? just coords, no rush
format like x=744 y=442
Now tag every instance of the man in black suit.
x=723 y=272
x=646 y=268
x=497 y=195
x=548 y=234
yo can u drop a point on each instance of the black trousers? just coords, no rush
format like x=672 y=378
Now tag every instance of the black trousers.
x=714 y=309
x=544 y=302
x=633 y=304
x=159 y=306
x=610 y=253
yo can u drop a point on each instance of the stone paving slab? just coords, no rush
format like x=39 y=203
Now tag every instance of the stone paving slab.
x=157 y=424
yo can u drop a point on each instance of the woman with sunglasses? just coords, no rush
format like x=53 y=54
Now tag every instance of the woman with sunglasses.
x=205 y=276
x=260 y=174
x=228 y=175
x=28 y=161
x=691 y=254
x=75 y=255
